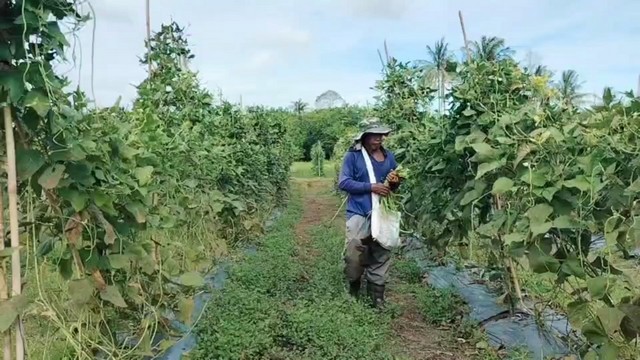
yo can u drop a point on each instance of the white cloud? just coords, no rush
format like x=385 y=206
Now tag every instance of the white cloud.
x=278 y=51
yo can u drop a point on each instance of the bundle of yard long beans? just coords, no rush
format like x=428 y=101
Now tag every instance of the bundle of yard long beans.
x=392 y=202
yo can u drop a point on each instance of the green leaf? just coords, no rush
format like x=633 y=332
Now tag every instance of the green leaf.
x=541 y=262
x=53 y=29
x=611 y=232
x=11 y=81
x=610 y=319
x=513 y=238
x=573 y=266
x=5 y=52
x=539 y=214
x=104 y=202
x=594 y=332
x=469 y=112
x=65 y=267
x=143 y=174
x=538 y=229
x=535 y=178
x=138 y=211
x=192 y=279
x=119 y=261
x=523 y=151
x=502 y=185
x=564 y=222
x=598 y=287
x=634 y=187
x=10 y=310
x=580 y=182
x=578 y=312
x=77 y=199
x=28 y=162
x=185 y=309
x=549 y=192
x=609 y=351
x=630 y=324
x=470 y=196
x=81 y=291
x=112 y=294
x=487 y=167
x=51 y=176
x=38 y=101
x=485 y=151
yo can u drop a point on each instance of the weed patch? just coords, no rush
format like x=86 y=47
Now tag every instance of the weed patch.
x=440 y=306
x=278 y=307
x=407 y=271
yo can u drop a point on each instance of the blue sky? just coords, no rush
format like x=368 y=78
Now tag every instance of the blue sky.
x=274 y=52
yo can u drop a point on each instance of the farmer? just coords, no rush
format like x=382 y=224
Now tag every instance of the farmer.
x=362 y=254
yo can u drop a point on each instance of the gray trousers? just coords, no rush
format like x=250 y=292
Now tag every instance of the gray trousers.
x=362 y=255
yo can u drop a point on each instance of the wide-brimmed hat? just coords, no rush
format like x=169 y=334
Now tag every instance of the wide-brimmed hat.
x=372 y=126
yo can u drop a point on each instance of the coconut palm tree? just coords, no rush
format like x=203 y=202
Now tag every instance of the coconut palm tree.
x=569 y=89
x=436 y=69
x=299 y=106
x=491 y=49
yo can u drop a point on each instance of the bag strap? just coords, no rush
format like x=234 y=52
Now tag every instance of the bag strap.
x=375 y=199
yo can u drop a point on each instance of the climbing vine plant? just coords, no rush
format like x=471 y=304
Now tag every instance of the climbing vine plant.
x=511 y=170
x=97 y=186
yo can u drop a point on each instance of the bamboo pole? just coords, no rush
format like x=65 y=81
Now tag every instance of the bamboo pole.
x=4 y=290
x=148 y=16
x=464 y=36
x=16 y=281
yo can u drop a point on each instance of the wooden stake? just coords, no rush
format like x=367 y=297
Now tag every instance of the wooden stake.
x=16 y=281
x=148 y=15
x=510 y=265
x=386 y=50
x=464 y=36
x=4 y=290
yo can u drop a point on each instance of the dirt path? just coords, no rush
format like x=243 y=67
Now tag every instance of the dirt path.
x=319 y=205
x=411 y=336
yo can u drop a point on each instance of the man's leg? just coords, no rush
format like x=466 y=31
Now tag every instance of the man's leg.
x=358 y=228
x=377 y=271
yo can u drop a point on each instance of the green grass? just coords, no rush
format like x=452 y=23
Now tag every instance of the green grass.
x=288 y=301
x=302 y=170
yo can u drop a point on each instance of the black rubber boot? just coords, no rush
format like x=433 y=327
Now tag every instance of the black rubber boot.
x=377 y=296
x=354 y=288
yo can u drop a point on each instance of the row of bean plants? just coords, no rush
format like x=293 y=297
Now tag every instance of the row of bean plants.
x=110 y=196
x=514 y=171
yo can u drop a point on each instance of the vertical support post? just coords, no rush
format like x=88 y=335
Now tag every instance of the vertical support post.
x=464 y=36
x=4 y=286
x=148 y=16
x=12 y=186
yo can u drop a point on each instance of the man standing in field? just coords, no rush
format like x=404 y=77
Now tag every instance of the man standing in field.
x=363 y=255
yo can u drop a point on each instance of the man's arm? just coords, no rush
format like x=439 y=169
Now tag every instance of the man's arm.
x=346 y=181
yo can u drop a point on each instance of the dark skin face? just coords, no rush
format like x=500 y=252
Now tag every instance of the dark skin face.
x=373 y=142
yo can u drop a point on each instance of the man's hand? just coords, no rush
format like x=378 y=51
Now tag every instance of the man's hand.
x=380 y=189
x=393 y=178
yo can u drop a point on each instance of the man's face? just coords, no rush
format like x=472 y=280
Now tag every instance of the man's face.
x=373 y=141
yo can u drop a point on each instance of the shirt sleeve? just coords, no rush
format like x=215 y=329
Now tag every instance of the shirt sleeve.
x=346 y=181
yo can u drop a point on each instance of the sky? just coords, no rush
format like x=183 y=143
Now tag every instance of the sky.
x=277 y=51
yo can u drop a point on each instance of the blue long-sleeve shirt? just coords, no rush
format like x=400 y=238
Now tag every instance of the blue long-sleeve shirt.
x=354 y=180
